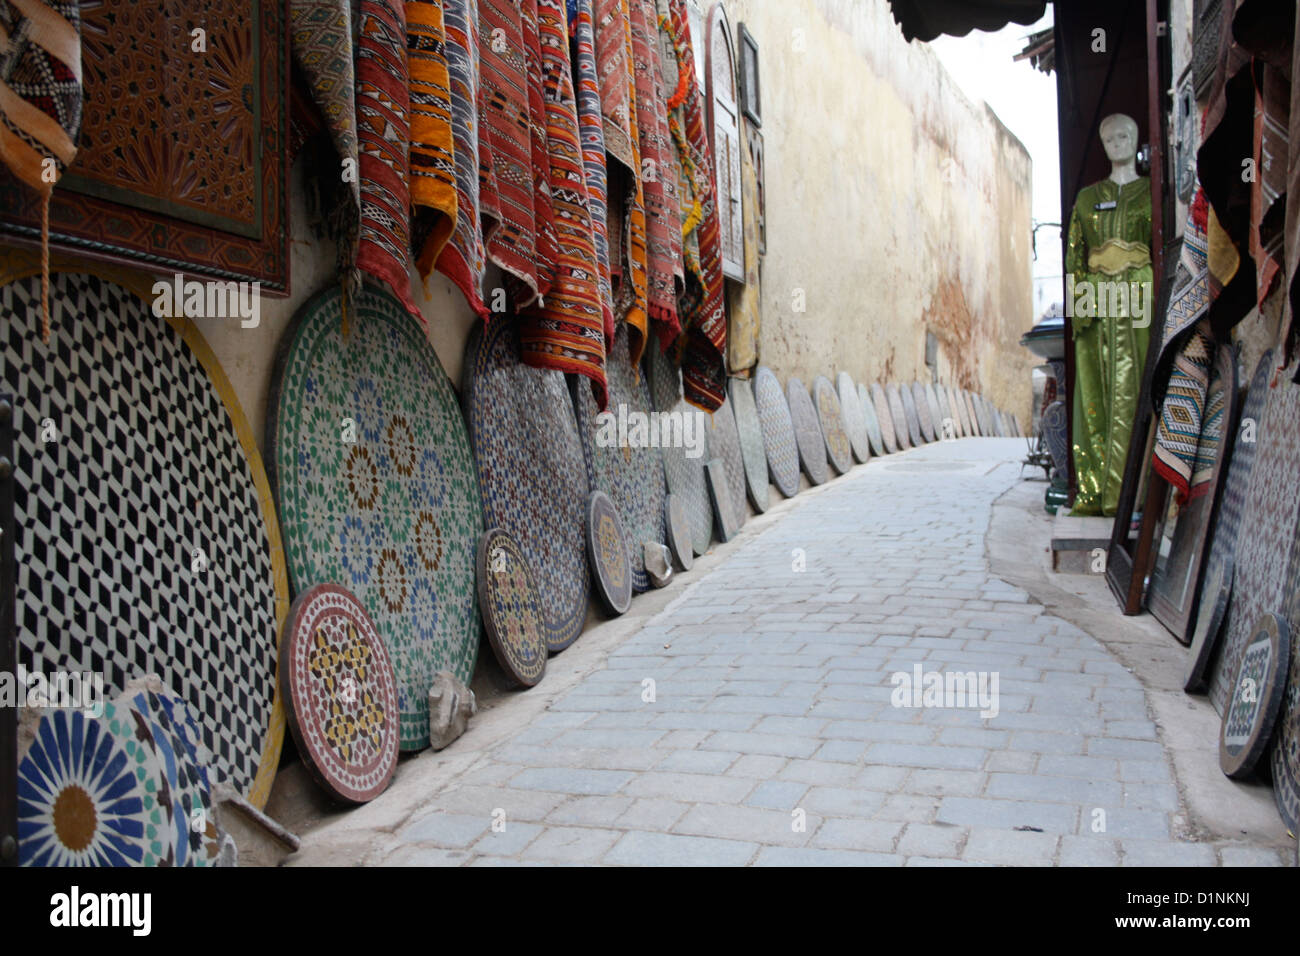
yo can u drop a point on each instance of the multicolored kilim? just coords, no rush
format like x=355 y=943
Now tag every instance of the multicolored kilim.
x=614 y=75
x=592 y=129
x=40 y=103
x=566 y=332
x=433 y=159
x=322 y=48
x=383 y=102
x=464 y=259
x=510 y=227
x=701 y=310
x=1182 y=414
x=664 y=271
x=548 y=240
x=1209 y=448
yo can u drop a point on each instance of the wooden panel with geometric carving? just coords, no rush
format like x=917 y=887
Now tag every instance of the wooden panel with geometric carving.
x=182 y=159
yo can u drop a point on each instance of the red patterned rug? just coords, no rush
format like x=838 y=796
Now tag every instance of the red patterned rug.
x=433 y=159
x=591 y=128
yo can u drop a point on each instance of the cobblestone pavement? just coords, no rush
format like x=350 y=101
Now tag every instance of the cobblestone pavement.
x=751 y=721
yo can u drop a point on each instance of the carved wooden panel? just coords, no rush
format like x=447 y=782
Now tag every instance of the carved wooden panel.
x=181 y=161
x=724 y=118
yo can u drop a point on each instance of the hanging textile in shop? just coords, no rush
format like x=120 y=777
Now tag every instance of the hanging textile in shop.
x=566 y=331
x=627 y=223
x=658 y=175
x=586 y=80
x=322 y=49
x=433 y=155
x=518 y=233
x=383 y=105
x=700 y=308
x=463 y=258
x=1183 y=412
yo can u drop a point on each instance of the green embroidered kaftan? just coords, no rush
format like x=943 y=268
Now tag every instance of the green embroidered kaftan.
x=1110 y=295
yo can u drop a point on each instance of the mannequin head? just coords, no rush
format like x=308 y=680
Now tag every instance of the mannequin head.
x=1119 y=134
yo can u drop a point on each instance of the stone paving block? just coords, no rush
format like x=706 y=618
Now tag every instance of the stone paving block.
x=453 y=830
x=1163 y=853
x=875 y=835
x=592 y=811
x=687 y=720
x=819 y=772
x=1123 y=822
x=570 y=780
x=817 y=857
x=1010 y=848
x=1008 y=814
x=1088 y=850
x=765 y=827
x=690 y=787
x=948 y=782
x=931 y=840
x=640 y=848
x=757 y=766
x=698 y=761
x=841 y=751
x=518 y=804
x=908 y=808
x=681 y=739
x=613 y=738
x=1151 y=796
x=790 y=707
x=778 y=745
x=925 y=755
x=1248 y=856
x=1075 y=765
x=1039 y=786
x=1046 y=742
x=777 y=795
x=878 y=730
x=509 y=840
x=1143 y=771
x=1125 y=749
x=571 y=844
x=1135 y=729
x=842 y=801
x=651 y=813
x=797 y=726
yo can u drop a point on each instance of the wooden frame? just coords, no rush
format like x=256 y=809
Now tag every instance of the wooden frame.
x=8 y=639
x=1192 y=534
x=724 y=135
x=751 y=103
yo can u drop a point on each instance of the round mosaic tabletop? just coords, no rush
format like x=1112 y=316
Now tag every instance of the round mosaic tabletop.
x=611 y=571
x=511 y=608
x=1215 y=591
x=898 y=414
x=855 y=419
x=724 y=444
x=807 y=432
x=831 y=417
x=530 y=470
x=620 y=459
x=923 y=415
x=679 y=532
x=958 y=412
x=972 y=416
x=913 y=419
x=147 y=539
x=1268 y=519
x=868 y=406
x=885 y=416
x=1284 y=760
x=1258 y=686
x=683 y=449
x=340 y=694
x=376 y=486
x=715 y=474
x=750 y=434
x=778 y=431
x=90 y=792
x=936 y=411
x=157 y=714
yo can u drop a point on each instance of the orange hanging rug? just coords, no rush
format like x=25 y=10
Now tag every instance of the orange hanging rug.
x=40 y=103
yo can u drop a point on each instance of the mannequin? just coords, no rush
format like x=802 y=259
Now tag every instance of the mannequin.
x=1109 y=299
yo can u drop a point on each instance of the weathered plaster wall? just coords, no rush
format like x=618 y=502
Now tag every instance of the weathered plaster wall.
x=894 y=206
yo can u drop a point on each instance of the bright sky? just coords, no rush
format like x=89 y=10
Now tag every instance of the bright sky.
x=1025 y=100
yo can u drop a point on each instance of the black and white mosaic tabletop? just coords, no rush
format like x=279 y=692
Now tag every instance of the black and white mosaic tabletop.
x=147 y=541
x=1257 y=690
x=724 y=444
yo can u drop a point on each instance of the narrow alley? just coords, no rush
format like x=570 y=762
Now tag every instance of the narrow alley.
x=770 y=738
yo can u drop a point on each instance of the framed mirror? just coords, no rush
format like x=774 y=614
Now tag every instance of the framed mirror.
x=1182 y=537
